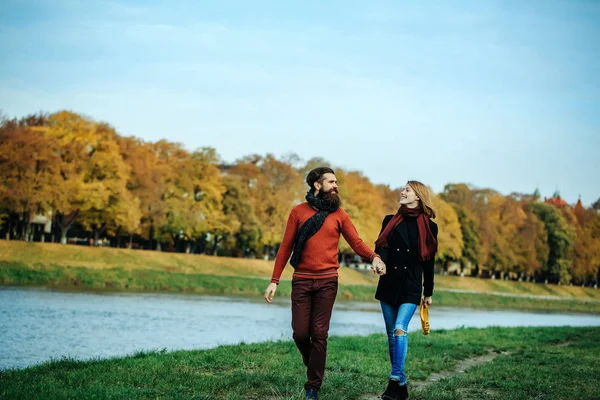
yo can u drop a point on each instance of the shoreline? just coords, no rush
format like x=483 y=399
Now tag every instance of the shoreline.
x=155 y=281
x=461 y=363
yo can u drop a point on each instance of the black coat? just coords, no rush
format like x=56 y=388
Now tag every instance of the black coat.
x=406 y=276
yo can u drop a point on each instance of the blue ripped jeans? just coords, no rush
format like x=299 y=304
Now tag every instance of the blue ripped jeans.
x=396 y=320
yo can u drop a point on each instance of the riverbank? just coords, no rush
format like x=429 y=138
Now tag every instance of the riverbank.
x=508 y=363
x=87 y=268
x=119 y=279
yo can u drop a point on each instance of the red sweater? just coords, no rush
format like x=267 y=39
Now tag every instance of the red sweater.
x=320 y=254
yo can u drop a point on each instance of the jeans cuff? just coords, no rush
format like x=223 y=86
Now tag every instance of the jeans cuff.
x=397 y=378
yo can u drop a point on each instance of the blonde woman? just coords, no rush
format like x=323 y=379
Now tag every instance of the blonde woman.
x=407 y=244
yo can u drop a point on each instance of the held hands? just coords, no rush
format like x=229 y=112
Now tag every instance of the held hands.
x=270 y=292
x=378 y=266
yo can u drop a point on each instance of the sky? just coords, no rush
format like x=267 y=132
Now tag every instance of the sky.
x=497 y=94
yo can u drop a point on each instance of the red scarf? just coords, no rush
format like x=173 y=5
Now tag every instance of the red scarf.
x=427 y=243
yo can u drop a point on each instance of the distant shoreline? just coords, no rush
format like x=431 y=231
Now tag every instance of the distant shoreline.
x=111 y=269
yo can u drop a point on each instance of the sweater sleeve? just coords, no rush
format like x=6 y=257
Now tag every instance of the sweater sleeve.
x=286 y=247
x=356 y=243
x=428 y=269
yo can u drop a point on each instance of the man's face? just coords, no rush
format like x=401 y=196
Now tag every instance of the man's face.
x=328 y=184
x=327 y=190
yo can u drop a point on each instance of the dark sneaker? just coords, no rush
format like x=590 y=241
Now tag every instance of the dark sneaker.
x=402 y=392
x=311 y=394
x=391 y=391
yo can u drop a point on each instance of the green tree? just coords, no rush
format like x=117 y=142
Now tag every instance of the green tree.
x=533 y=246
x=470 y=235
x=561 y=238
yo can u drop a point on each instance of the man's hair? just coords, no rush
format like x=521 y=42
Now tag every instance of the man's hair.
x=316 y=175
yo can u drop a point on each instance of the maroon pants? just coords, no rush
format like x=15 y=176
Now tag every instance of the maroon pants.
x=312 y=303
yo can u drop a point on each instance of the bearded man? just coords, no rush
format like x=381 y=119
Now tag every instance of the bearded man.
x=312 y=236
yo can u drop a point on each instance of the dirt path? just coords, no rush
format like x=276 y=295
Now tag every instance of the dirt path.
x=461 y=368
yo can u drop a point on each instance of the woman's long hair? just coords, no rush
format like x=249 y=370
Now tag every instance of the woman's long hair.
x=425 y=195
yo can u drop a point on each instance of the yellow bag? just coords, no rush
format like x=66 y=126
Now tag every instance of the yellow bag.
x=424 y=312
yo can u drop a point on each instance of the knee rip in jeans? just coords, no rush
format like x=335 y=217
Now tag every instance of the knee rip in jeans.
x=399 y=332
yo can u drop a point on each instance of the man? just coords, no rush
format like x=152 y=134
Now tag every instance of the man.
x=312 y=235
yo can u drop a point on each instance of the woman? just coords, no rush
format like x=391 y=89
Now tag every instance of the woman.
x=407 y=244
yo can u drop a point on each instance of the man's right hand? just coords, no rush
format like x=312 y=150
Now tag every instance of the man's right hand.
x=270 y=292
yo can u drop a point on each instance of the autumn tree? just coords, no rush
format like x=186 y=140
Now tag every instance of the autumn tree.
x=207 y=212
x=94 y=174
x=506 y=218
x=450 y=238
x=586 y=264
x=470 y=211
x=30 y=171
x=273 y=188
x=238 y=209
x=470 y=235
x=390 y=198
x=108 y=173
x=363 y=203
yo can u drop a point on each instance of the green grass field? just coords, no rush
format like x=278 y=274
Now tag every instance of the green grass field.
x=518 y=363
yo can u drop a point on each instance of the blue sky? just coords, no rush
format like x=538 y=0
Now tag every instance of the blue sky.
x=500 y=94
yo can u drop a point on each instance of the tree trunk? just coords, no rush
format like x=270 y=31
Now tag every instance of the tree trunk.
x=65 y=222
x=63 y=234
x=28 y=237
x=188 y=247
x=118 y=237
x=158 y=247
x=214 y=247
x=24 y=231
x=130 y=240
x=267 y=252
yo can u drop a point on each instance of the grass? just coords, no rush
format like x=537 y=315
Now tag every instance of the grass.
x=38 y=255
x=532 y=363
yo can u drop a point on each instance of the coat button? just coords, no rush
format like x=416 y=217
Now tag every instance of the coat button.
x=404 y=267
x=407 y=249
x=395 y=267
x=397 y=249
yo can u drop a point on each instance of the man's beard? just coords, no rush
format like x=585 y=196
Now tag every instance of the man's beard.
x=331 y=198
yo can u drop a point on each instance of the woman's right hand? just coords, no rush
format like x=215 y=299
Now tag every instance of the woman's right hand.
x=378 y=266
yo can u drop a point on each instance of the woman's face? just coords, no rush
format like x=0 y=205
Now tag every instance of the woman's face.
x=408 y=197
